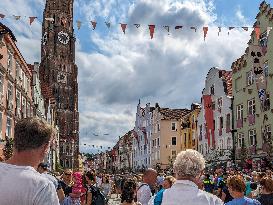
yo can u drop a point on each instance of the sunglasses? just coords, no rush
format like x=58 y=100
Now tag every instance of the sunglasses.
x=68 y=174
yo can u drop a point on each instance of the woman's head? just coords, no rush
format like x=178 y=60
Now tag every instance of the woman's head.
x=236 y=185
x=128 y=191
x=67 y=175
x=90 y=178
x=267 y=185
x=168 y=182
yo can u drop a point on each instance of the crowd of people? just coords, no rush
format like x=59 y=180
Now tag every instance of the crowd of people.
x=26 y=180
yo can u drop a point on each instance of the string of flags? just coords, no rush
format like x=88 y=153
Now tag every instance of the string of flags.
x=95 y=146
x=151 y=27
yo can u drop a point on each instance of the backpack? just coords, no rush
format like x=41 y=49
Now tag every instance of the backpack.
x=98 y=197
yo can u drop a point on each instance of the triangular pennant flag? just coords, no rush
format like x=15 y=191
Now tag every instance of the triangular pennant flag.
x=257 y=32
x=2 y=16
x=205 y=29
x=108 y=24
x=167 y=28
x=194 y=28
x=17 y=17
x=268 y=30
x=231 y=27
x=31 y=19
x=245 y=28
x=79 y=24
x=123 y=27
x=152 y=30
x=178 y=27
x=137 y=25
x=94 y=24
x=219 y=30
x=49 y=19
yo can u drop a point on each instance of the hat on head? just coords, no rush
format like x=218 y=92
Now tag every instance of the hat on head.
x=43 y=165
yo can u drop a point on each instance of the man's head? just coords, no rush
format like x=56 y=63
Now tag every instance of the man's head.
x=189 y=164
x=32 y=135
x=42 y=167
x=150 y=177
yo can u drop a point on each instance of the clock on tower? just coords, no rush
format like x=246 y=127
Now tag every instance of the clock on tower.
x=56 y=68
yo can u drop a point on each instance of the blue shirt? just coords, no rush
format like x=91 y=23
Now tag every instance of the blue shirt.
x=158 y=197
x=243 y=201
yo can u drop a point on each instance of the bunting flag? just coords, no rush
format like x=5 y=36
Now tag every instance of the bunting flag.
x=194 y=28
x=2 y=16
x=49 y=19
x=230 y=28
x=94 y=24
x=17 y=17
x=245 y=28
x=257 y=32
x=108 y=24
x=137 y=25
x=167 y=28
x=31 y=19
x=178 y=27
x=219 y=30
x=152 y=30
x=205 y=29
x=268 y=30
x=79 y=24
x=93 y=146
x=123 y=27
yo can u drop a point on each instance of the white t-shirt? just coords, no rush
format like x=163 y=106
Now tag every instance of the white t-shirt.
x=25 y=186
x=144 y=194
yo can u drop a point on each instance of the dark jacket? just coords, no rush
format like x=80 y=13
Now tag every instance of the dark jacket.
x=266 y=199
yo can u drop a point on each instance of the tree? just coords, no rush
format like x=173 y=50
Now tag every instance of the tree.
x=8 y=149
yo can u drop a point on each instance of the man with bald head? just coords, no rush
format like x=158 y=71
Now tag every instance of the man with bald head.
x=144 y=193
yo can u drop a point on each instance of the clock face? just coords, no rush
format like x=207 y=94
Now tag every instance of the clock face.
x=45 y=37
x=63 y=37
x=61 y=78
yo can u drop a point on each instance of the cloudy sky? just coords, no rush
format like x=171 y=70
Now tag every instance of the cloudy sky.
x=116 y=70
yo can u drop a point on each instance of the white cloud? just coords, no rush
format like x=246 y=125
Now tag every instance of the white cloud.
x=239 y=15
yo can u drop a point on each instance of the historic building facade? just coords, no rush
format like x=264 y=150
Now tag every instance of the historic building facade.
x=253 y=92
x=58 y=75
x=15 y=86
x=189 y=137
x=214 y=121
x=142 y=137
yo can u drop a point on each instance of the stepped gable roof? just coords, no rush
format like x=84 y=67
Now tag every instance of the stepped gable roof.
x=4 y=29
x=238 y=64
x=227 y=77
x=169 y=114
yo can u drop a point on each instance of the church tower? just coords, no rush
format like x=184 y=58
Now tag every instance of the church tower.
x=58 y=75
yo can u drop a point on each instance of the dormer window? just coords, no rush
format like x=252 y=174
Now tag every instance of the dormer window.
x=212 y=90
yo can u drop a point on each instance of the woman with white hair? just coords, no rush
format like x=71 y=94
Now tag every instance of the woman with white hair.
x=188 y=167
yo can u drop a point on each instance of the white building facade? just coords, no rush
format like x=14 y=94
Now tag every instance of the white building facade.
x=214 y=121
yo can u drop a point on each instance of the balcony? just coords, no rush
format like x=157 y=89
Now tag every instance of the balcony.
x=239 y=123
x=251 y=119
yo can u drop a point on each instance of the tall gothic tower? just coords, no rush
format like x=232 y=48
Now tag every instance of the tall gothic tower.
x=58 y=73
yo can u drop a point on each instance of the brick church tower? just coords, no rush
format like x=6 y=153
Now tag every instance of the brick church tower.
x=58 y=75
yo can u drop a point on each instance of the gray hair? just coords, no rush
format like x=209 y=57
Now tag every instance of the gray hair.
x=189 y=163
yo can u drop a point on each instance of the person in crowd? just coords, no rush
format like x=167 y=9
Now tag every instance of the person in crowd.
x=248 y=188
x=129 y=192
x=43 y=170
x=188 y=168
x=159 y=181
x=99 y=180
x=90 y=179
x=223 y=190
x=237 y=187
x=266 y=197
x=253 y=193
x=20 y=183
x=66 y=182
x=106 y=187
x=167 y=183
x=208 y=184
x=144 y=192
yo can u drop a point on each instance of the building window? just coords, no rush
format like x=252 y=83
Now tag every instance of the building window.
x=241 y=140
x=250 y=78
x=185 y=139
x=229 y=143
x=158 y=127
x=212 y=90
x=266 y=68
x=239 y=112
x=173 y=154
x=10 y=92
x=220 y=103
x=221 y=122
x=263 y=39
x=213 y=105
x=17 y=73
x=9 y=59
x=267 y=133
x=238 y=84
x=18 y=100
x=252 y=137
x=158 y=143
x=28 y=109
x=228 y=123
x=8 y=129
x=251 y=106
x=1 y=82
x=267 y=102
x=174 y=126
x=173 y=140
x=24 y=107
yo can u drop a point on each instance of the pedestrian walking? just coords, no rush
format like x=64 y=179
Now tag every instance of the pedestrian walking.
x=188 y=168
x=129 y=192
x=20 y=183
x=266 y=197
